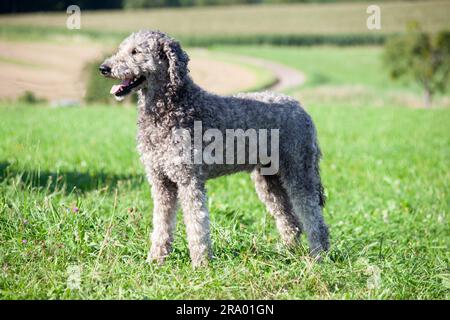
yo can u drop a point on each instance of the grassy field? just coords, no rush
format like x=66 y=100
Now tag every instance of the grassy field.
x=329 y=65
x=342 y=75
x=72 y=193
x=262 y=19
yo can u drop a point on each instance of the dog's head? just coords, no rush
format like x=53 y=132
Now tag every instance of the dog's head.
x=146 y=59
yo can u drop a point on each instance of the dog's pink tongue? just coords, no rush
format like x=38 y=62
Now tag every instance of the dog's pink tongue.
x=115 y=88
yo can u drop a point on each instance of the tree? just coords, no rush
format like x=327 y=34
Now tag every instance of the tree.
x=422 y=57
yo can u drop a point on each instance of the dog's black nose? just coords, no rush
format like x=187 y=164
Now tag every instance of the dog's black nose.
x=105 y=70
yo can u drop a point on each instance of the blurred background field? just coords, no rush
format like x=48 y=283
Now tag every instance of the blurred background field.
x=263 y=19
x=32 y=42
x=72 y=190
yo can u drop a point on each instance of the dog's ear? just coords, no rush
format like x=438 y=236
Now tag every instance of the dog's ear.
x=178 y=62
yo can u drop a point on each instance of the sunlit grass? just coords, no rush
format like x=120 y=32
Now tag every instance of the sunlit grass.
x=328 y=18
x=386 y=177
x=342 y=75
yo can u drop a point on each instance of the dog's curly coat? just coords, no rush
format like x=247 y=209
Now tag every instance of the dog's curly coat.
x=154 y=64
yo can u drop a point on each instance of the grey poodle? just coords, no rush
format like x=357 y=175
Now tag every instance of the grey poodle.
x=154 y=65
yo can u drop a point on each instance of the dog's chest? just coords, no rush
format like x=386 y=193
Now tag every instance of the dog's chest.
x=156 y=148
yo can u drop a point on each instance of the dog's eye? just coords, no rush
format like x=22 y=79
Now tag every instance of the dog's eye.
x=133 y=52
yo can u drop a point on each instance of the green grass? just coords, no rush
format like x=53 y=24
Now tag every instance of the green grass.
x=59 y=35
x=342 y=75
x=328 y=18
x=328 y=65
x=385 y=171
x=386 y=177
x=297 y=24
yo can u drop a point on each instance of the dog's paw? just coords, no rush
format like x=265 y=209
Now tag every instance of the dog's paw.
x=318 y=254
x=157 y=256
x=201 y=259
x=200 y=263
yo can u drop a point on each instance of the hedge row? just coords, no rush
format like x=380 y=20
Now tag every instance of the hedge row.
x=209 y=40
x=286 y=40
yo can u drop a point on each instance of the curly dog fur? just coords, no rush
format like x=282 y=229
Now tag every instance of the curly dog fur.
x=154 y=65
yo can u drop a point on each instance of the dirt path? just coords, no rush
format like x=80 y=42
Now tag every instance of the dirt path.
x=218 y=76
x=54 y=71
x=286 y=77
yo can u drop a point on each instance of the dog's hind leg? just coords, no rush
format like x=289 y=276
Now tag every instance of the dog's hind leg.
x=272 y=194
x=196 y=218
x=301 y=180
x=164 y=193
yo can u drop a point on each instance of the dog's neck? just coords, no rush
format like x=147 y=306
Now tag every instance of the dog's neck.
x=166 y=104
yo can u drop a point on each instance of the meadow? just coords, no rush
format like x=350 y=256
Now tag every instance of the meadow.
x=294 y=24
x=73 y=194
x=327 y=18
x=353 y=75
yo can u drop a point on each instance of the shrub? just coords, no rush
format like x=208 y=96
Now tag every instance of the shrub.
x=420 y=57
x=28 y=97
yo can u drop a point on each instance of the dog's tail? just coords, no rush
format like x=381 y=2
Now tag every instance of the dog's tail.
x=319 y=186
x=322 y=196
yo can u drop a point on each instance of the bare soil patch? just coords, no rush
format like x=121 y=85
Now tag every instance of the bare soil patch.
x=51 y=71
x=54 y=71
x=220 y=77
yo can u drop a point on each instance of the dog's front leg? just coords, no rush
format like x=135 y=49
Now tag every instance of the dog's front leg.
x=164 y=193
x=196 y=218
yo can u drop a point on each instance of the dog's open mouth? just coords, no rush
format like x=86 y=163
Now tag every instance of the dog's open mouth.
x=126 y=86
